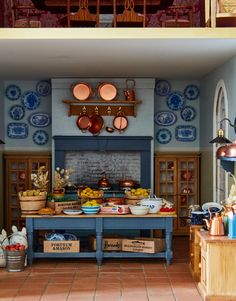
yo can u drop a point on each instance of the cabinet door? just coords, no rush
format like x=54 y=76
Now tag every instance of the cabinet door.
x=35 y=164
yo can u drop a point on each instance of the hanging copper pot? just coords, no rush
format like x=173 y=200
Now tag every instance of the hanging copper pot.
x=97 y=123
x=107 y=91
x=120 y=122
x=82 y=91
x=83 y=121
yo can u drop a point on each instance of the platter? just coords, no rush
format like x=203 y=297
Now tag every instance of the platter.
x=30 y=100
x=191 y=92
x=40 y=137
x=165 y=118
x=176 y=100
x=17 y=112
x=209 y=205
x=162 y=87
x=163 y=136
x=13 y=92
x=43 y=88
x=54 y=236
x=72 y=211
x=185 y=133
x=17 y=130
x=188 y=113
x=39 y=120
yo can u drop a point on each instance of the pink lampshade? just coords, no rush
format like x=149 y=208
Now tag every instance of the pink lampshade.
x=230 y=151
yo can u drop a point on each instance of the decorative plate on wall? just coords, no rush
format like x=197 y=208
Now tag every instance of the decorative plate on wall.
x=17 y=112
x=43 y=88
x=188 y=113
x=185 y=133
x=191 y=92
x=13 y=92
x=30 y=100
x=40 y=137
x=163 y=136
x=17 y=130
x=165 y=118
x=39 y=120
x=162 y=87
x=176 y=100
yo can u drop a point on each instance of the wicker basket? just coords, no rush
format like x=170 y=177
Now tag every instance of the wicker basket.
x=31 y=204
x=15 y=260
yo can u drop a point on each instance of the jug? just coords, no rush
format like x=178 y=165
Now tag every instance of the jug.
x=232 y=222
x=215 y=225
x=129 y=92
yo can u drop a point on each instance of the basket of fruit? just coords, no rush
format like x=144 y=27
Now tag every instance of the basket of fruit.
x=89 y=193
x=32 y=200
x=137 y=194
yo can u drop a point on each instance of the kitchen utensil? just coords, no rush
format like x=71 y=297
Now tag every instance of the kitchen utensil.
x=120 y=122
x=107 y=91
x=103 y=183
x=129 y=92
x=139 y=210
x=127 y=184
x=215 y=225
x=153 y=203
x=109 y=129
x=97 y=123
x=83 y=121
x=82 y=91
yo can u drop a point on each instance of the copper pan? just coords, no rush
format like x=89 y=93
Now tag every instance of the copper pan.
x=107 y=91
x=83 y=121
x=120 y=122
x=82 y=91
x=97 y=123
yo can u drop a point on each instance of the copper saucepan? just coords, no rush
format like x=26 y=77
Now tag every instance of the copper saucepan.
x=107 y=91
x=82 y=91
x=83 y=121
x=120 y=122
x=97 y=123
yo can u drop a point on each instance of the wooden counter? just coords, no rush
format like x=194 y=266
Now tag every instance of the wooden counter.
x=98 y=223
x=218 y=267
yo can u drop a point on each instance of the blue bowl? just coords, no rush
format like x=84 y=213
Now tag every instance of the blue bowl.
x=90 y=209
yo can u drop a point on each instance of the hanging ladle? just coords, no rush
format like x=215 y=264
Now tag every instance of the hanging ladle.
x=109 y=129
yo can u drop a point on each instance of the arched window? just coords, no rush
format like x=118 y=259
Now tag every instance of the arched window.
x=220 y=176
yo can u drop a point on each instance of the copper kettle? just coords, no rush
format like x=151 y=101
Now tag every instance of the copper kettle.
x=215 y=225
x=103 y=183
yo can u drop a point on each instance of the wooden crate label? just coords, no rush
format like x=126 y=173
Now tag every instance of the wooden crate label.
x=144 y=245
x=61 y=246
x=60 y=206
x=108 y=243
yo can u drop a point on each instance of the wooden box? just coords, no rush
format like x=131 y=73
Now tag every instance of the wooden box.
x=60 y=206
x=66 y=246
x=144 y=245
x=108 y=243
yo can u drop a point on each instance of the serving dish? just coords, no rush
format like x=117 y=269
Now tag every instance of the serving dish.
x=209 y=205
x=165 y=118
x=43 y=88
x=13 y=92
x=185 y=133
x=163 y=136
x=17 y=112
x=69 y=236
x=191 y=92
x=39 y=120
x=139 y=210
x=72 y=211
x=82 y=91
x=52 y=236
x=107 y=91
x=30 y=100
x=162 y=87
x=40 y=137
x=17 y=130
x=188 y=113
x=176 y=100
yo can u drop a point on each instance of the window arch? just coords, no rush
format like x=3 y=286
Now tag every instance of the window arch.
x=220 y=176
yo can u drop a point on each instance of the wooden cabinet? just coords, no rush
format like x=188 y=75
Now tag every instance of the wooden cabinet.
x=177 y=181
x=17 y=170
x=218 y=266
x=194 y=252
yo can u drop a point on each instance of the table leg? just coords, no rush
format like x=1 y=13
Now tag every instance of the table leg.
x=29 y=227
x=99 y=230
x=169 y=253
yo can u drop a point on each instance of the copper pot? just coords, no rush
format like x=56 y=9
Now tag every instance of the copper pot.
x=82 y=91
x=127 y=183
x=230 y=151
x=129 y=92
x=120 y=122
x=103 y=182
x=107 y=91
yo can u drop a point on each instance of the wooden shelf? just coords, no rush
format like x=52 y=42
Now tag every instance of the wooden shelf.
x=76 y=107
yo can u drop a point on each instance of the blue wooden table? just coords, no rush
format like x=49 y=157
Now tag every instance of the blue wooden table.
x=99 y=223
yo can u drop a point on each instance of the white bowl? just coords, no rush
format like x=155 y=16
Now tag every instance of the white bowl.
x=154 y=205
x=139 y=210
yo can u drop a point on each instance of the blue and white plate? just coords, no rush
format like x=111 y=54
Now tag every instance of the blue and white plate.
x=17 y=112
x=70 y=236
x=39 y=120
x=30 y=100
x=13 y=92
x=54 y=236
x=185 y=133
x=163 y=136
x=162 y=87
x=191 y=92
x=17 y=130
x=165 y=118
x=176 y=100
x=40 y=137
x=43 y=88
x=188 y=113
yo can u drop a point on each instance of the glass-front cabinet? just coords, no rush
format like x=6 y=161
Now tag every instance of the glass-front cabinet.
x=177 y=181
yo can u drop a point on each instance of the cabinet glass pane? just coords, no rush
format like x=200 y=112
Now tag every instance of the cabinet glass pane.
x=34 y=165
x=14 y=201
x=22 y=165
x=13 y=176
x=14 y=189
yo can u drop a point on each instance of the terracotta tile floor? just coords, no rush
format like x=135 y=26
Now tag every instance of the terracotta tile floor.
x=123 y=280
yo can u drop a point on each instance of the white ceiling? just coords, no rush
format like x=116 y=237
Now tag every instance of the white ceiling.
x=159 y=53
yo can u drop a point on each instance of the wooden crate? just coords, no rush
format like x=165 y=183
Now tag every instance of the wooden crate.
x=66 y=246
x=144 y=245
x=108 y=243
x=60 y=206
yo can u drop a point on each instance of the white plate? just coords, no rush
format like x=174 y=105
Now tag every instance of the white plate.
x=206 y=206
x=72 y=211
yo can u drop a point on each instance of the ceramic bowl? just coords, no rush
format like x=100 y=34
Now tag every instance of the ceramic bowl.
x=90 y=209
x=153 y=205
x=139 y=210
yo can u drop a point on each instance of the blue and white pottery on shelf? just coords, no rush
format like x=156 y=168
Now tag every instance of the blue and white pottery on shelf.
x=185 y=133
x=176 y=100
x=17 y=130
x=39 y=120
x=17 y=112
x=13 y=92
x=163 y=136
x=40 y=137
x=162 y=87
x=188 y=113
x=43 y=88
x=165 y=118
x=31 y=100
x=191 y=92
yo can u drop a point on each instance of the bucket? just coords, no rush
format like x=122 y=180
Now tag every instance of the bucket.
x=15 y=260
